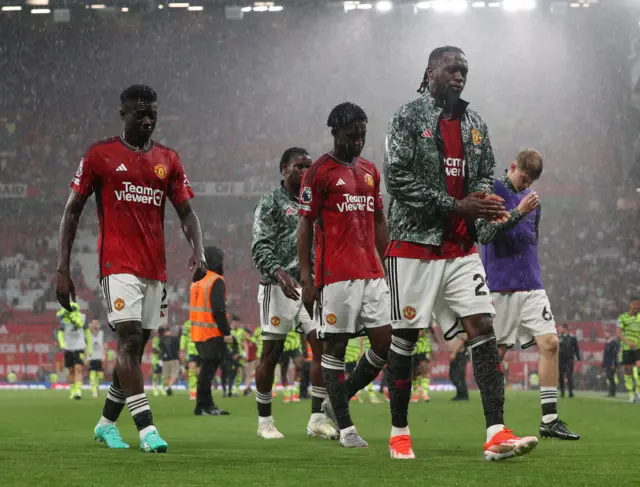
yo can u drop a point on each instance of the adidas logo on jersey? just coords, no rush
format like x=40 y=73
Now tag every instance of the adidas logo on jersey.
x=121 y=167
x=340 y=182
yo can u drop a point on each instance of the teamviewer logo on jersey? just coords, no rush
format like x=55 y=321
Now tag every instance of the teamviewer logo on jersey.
x=356 y=203
x=140 y=194
x=454 y=166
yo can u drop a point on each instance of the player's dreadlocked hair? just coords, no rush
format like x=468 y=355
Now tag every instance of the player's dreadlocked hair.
x=291 y=153
x=344 y=114
x=139 y=92
x=434 y=59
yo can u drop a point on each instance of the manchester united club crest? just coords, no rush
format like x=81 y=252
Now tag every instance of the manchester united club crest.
x=331 y=319
x=275 y=321
x=409 y=312
x=160 y=171
x=290 y=211
x=118 y=304
x=477 y=136
x=368 y=178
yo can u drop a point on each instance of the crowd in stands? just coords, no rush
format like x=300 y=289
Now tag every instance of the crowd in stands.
x=233 y=96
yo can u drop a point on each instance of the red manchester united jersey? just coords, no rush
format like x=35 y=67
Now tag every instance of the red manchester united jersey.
x=131 y=188
x=342 y=199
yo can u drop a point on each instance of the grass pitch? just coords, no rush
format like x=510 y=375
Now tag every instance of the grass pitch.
x=47 y=440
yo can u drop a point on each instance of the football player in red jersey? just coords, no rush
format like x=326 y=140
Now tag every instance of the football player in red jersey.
x=340 y=196
x=131 y=176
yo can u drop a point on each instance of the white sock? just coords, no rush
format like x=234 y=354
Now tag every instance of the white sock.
x=346 y=431
x=548 y=418
x=143 y=432
x=267 y=419
x=315 y=417
x=105 y=422
x=399 y=431
x=492 y=430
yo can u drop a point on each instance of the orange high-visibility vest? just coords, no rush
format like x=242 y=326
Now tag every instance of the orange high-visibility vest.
x=309 y=351
x=203 y=323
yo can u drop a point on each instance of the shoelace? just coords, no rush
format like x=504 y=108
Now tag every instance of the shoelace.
x=402 y=443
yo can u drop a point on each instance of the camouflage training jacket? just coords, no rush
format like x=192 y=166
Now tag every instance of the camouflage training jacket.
x=275 y=242
x=415 y=173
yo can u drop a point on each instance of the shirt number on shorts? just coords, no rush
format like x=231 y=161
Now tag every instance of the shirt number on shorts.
x=546 y=314
x=479 y=291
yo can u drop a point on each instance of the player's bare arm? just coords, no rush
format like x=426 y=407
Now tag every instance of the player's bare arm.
x=65 y=289
x=305 y=243
x=382 y=235
x=191 y=229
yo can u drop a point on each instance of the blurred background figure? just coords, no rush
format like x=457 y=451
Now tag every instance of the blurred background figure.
x=170 y=356
x=568 y=351
x=458 y=367
x=74 y=338
x=610 y=362
x=97 y=357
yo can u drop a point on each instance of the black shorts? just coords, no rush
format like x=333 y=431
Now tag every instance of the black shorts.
x=96 y=365
x=420 y=357
x=195 y=359
x=630 y=357
x=349 y=367
x=73 y=358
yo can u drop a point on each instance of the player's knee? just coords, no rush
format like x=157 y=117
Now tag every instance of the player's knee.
x=335 y=347
x=478 y=325
x=131 y=343
x=406 y=334
x=548 y=345
x=271 y=352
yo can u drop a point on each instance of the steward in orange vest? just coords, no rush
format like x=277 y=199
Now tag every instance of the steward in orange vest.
x=209 y=328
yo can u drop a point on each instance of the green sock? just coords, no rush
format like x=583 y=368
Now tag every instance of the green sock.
x=287 y=392
x=193 y=381
x=636 y=378
x=154 y=380
x=78 y=387
x=628 y=383
x=425 y=384
x=416 y=386
x=93 y=379
x=372 y=390
x=296 y=389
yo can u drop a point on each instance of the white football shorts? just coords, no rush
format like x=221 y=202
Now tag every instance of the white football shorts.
x=446 y=289
x=522 y=316
x=353 y=306
x=278 y=313
x=131 y=298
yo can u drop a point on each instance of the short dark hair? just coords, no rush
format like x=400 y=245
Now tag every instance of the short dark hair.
x=434 y=58
x=344 y=114
x=289 y=154
x=139 y=92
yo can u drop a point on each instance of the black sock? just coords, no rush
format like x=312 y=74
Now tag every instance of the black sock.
x=140 y=410
x=399 y=364
x=114 y=404
x=318 y=394
x=365 y=372
x=487 y=370
x=333 y=375
x=263 y=400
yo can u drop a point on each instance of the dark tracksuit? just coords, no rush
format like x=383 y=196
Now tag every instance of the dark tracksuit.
x=610 y=363
x=568 y=352
x=458 y=373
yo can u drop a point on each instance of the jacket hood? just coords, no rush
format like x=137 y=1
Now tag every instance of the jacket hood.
x=214 y=257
